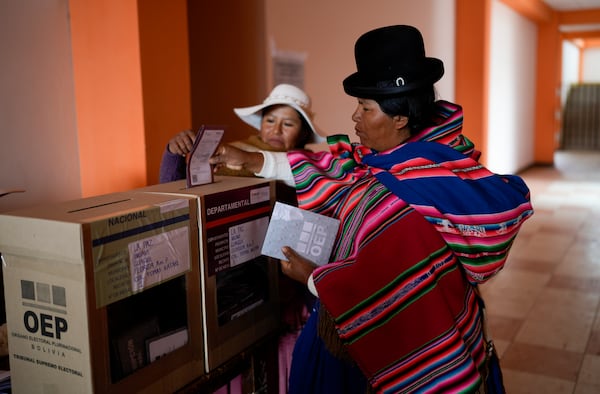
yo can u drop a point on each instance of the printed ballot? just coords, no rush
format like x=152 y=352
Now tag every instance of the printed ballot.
x=310 y=234
x=199 y=170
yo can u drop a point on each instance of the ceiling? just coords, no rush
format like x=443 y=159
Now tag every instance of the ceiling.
x=572 y=5
x=577 y=5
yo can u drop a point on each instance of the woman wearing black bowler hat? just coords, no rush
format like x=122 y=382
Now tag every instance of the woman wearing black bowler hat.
x=422 y=224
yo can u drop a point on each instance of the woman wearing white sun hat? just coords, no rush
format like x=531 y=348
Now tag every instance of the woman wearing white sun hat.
x=284 y=121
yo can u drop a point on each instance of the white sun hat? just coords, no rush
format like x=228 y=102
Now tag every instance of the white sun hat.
x=283 y=94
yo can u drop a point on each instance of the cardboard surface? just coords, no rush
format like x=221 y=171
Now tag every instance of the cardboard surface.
x=239 y=285
x=78 y=271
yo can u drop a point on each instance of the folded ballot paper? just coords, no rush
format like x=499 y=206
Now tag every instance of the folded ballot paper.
x=310 y=234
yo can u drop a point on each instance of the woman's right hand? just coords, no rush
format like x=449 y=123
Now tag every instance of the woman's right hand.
x=182 y=143
x=237 y=159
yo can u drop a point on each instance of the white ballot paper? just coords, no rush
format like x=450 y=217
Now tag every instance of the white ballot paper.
x=199 y=170
x=310 y=234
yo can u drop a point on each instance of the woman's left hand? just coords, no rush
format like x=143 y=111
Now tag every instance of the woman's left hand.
x=297 y=267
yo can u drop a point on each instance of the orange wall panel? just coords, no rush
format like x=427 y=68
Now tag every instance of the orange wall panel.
x=108 y=95
x=591 y=16
x=165 y=64
x=536 y=10
x=547 y=123
x=472 y=68
x=228 y=52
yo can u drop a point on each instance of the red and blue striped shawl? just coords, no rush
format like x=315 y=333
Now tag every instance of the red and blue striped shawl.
x=420 y=224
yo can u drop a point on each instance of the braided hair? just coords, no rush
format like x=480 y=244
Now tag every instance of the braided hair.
x=417 y=105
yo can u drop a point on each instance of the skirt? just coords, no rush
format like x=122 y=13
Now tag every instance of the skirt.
x=315 y=370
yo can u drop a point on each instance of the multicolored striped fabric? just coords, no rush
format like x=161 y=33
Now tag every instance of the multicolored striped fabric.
x=420 y=224
x=477 y=212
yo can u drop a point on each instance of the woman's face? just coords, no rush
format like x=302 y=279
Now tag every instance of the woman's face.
x=376 y=129
x=281 y=127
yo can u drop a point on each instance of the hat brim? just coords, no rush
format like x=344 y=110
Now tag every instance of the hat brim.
x=356 y=85
x=253 y=116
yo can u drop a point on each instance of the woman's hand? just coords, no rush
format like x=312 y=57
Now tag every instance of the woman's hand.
x=297 y=267
x=237 y=159
x=182 y=143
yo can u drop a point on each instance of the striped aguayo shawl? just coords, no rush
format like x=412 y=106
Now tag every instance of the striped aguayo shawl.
x=420 y=225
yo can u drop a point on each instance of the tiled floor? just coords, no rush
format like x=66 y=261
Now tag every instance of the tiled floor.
x=544 y=307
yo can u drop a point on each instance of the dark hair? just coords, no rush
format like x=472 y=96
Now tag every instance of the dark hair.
x=305 y=133
x=417 y=105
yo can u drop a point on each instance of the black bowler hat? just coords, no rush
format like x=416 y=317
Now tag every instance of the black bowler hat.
x=394 y=58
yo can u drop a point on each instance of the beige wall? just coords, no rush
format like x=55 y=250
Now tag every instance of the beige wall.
x=38 y=137
x=326 y=32
x=73 y=114
x=511 y=106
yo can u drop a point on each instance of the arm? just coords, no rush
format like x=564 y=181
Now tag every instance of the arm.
x=264 y=164
x=277 y=166
x=182 y=143
x=173 y=165
x=298 y=268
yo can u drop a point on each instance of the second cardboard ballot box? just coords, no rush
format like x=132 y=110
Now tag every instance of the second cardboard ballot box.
x=102 y=294
x=239 y=285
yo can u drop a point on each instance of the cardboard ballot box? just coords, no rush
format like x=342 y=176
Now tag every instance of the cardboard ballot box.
x=239 y=285
x=102 y=294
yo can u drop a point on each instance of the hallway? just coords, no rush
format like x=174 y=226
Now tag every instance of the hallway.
x=544 y=307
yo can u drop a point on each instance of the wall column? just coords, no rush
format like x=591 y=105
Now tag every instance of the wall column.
x=472 y=68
